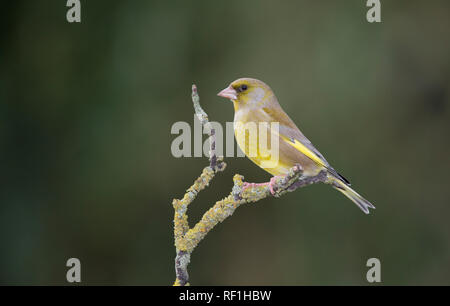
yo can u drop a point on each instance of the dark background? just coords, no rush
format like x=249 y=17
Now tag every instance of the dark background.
x=86 y=111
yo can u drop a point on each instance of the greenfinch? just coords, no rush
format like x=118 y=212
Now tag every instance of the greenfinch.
x=255 y=102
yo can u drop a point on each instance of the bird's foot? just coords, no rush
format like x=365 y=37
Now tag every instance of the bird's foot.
x=273 y=181
x=253 y=185
x=271 y=184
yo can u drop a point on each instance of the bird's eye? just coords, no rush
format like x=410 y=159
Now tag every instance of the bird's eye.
x=243 y=87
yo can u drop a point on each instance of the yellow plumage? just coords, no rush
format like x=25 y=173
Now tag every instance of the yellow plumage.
x=258 y=113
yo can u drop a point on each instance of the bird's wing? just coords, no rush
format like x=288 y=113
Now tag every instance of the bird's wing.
x=303 y=144
x=291 y=134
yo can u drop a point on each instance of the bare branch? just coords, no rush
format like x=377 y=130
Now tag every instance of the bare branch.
x=203 y=118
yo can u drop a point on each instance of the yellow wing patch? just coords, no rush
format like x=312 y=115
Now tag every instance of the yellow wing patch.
x=302 y=148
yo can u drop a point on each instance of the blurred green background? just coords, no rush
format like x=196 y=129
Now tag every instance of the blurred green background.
x=85 y=117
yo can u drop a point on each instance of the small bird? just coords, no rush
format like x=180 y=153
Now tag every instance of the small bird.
x=255 y=102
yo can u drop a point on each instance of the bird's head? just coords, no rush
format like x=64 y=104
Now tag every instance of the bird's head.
x=247 y=92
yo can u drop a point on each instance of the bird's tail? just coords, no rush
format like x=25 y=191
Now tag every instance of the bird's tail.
x=362 y=203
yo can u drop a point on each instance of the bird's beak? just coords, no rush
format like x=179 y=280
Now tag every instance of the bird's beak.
x=229 y=93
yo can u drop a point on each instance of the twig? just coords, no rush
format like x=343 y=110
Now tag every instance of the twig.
x=203 y=118
x=186 y=239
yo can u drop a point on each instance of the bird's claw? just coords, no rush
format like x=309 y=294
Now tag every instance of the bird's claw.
x=272 y=183
x=252 y=185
